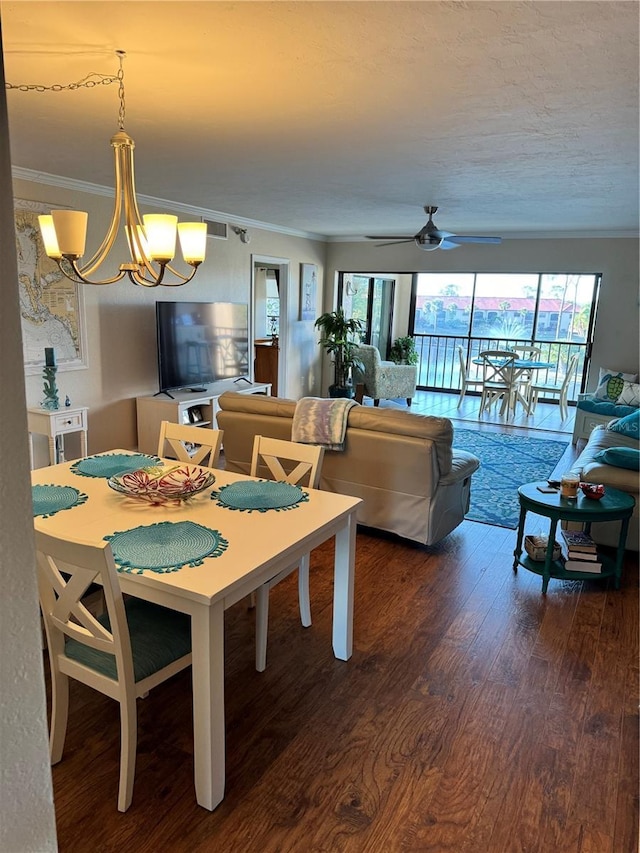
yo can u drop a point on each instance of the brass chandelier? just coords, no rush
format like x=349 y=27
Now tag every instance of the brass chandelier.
x=151 y=238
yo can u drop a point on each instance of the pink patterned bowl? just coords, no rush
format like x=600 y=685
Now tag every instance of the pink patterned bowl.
x=592 y=491
x=163 y=485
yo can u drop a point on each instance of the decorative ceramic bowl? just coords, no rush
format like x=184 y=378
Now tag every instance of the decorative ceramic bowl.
x=592 y=491
x=161 y=485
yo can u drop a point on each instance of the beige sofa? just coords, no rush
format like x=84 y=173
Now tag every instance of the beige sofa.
x=594 y=471
x=412 y=482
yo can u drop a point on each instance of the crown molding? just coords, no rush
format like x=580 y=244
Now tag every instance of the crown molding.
x=20 y=173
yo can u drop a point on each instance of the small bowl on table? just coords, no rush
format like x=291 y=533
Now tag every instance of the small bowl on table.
x=592 y=491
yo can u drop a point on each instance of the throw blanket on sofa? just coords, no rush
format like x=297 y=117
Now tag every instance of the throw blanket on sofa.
x=317 y=420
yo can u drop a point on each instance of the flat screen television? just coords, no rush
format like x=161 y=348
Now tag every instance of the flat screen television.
x=201 y=342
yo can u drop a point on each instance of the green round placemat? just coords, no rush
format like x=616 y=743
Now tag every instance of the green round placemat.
x=109 y=464
x=260 y=496
x=165 y=547
x=48 y=500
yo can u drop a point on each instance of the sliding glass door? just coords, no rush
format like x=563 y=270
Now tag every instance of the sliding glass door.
x=370 y=299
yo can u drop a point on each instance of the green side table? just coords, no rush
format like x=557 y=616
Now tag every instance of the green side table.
x=613 y=506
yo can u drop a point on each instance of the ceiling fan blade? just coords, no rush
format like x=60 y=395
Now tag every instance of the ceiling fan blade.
x=388 y=238
x=441 y=235
x=447 y=244
x=465 y=238
x=396 y=242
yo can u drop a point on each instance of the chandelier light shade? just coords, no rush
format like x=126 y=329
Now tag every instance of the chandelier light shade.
x=151 y=238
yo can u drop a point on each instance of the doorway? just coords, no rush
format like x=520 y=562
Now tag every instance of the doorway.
x=269 y=321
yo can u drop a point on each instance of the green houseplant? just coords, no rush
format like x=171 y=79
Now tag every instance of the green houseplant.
x=404 y=351
x=338 y=339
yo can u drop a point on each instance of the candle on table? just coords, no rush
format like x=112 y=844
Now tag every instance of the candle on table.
x=49 y=357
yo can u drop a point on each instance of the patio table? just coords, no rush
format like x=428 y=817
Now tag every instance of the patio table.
x=516 y=369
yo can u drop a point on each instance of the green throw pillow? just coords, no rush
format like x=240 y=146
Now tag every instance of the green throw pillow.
x=629 y=425
x=620 y=457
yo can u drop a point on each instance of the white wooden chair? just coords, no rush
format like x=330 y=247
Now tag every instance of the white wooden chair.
x=466 y=384
x=497 y=379
x=531 y=353
x=197 y=445
x=276 y=459
x=123 y=653
x=561 y=391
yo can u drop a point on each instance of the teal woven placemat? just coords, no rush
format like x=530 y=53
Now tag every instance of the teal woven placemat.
x=48 y=500
x=165 y=547
x=110 y=464
x=261 y=495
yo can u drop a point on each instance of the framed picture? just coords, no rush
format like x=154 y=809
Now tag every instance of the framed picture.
x=51 y=306
x=308 y=289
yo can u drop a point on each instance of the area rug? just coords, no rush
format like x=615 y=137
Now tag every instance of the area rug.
x=506 y=462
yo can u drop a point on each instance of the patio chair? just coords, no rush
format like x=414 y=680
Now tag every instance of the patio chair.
x=122 y=653
x=197 y=445
x=561 y=391
x=276 y=459
x=466 y=383
x=531 y=353
x=497 y=382
x=384 y=380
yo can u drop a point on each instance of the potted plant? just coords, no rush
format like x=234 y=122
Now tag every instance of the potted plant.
x=338 y=340
x=404 y=351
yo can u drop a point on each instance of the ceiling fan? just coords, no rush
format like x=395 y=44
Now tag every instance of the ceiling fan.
x=430 y=237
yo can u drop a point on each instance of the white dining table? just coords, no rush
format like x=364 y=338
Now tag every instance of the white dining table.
x=260 y=544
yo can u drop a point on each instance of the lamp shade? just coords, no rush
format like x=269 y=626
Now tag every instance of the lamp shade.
x=49 y=238
x=71 y=231
x=160 y=231
x=193 y=241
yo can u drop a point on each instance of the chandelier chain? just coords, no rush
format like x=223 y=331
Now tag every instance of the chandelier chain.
x=88 y=82
x=120 y=78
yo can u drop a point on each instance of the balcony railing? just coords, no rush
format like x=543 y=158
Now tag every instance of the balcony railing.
x=439 y=367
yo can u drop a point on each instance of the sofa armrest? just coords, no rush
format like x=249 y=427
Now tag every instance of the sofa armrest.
x=463 y=465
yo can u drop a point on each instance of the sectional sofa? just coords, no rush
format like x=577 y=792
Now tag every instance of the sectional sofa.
x=411 y=479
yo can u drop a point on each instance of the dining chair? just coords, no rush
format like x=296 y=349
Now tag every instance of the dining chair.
x=555 y=390
x=466 y=383
x=123 y=653
x=197 y=445
x=497 y=379
x=294 y=463
x=530 y=353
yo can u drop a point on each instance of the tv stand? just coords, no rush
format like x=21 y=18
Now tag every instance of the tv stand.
x=185 y=406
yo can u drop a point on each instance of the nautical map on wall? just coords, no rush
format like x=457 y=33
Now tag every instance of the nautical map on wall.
x=51 y=306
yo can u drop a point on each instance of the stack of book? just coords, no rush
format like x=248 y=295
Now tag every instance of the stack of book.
x=580 y=552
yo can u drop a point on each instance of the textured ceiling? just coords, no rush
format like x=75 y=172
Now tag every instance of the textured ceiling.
x=344 y=118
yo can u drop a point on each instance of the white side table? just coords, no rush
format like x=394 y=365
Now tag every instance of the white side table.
x=55 y=424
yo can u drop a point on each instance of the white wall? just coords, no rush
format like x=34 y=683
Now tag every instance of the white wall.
x=121 y=321
x=27 y=821
x=617 y=328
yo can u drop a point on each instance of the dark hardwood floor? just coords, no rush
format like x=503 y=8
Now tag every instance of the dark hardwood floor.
x=475 y=715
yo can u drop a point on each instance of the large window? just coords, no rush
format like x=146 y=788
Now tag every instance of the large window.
x=554 y=312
